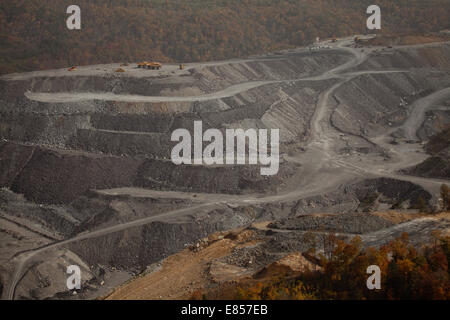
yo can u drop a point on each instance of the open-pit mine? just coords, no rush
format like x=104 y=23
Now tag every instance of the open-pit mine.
x=87 y=178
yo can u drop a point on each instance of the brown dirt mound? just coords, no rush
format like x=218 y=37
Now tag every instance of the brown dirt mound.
x=290 y=265
x=183 y=273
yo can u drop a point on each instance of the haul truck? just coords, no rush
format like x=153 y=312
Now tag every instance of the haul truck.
x=150 y=65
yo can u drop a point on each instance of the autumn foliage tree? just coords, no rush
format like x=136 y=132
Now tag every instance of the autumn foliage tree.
x=445 y=197
x=33 y=34
x=406 y=273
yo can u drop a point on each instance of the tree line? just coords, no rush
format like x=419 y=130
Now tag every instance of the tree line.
x=33 y=33
x=406 y=273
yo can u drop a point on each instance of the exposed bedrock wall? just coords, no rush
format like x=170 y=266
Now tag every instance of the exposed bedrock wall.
x=145 y=129
x=437 y=167
x=363 y=195
x=59 y=176
x=154 y=145
x=136 y=248
x=232 y=179
x=57 y=218
x=55 y=130
x=435 y=56
x=48 y=176
x=96 y=211
x=370 y=104
x=282 y=67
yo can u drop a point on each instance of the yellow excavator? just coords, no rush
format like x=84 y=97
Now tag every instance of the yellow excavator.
x=150 y=65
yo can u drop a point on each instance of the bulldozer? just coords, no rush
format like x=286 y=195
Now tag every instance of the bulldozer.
x=150 y=65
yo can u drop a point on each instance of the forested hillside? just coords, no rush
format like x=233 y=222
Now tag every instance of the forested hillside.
x=33 y=33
